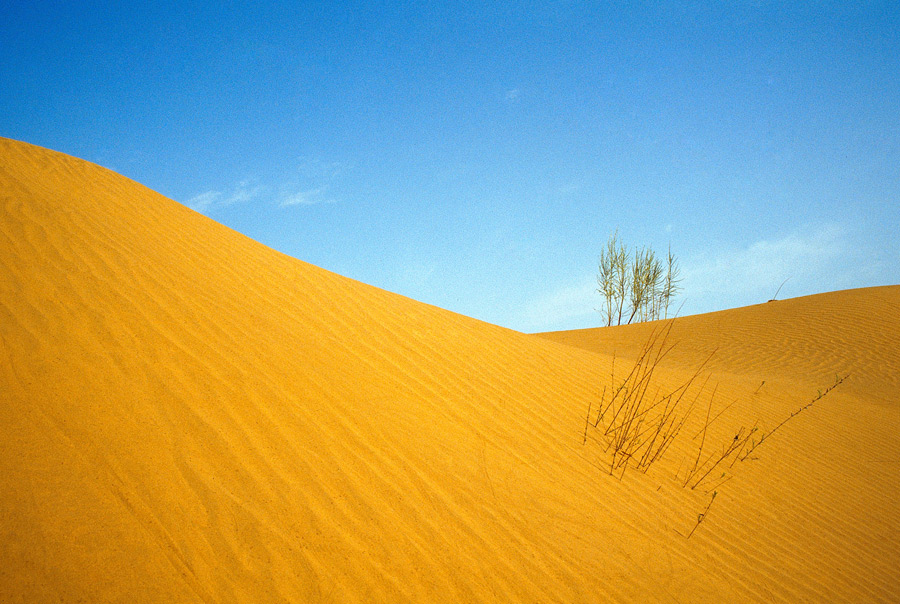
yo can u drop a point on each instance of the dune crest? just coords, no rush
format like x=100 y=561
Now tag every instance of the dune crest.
x=188 y=415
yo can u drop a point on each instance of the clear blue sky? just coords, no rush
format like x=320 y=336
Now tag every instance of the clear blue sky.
x=476 y=155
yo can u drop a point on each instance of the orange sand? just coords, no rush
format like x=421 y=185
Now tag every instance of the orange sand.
x=189 y=416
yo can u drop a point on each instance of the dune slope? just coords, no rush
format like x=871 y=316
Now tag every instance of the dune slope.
x=804 y=338
x=187 y=415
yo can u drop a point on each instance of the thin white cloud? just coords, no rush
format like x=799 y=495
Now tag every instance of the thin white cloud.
x=309 y=183
x=203 y=201
x=312 y=182
x=307 y=198
x=811 y=260
x=565 y=307
x=513 y=95
x=242 y=192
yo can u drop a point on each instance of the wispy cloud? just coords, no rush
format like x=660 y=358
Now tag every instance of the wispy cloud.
x=307 y=198
x=245 y=192
x=513 y=95
x=203 y=201
x=566 y=307
x=812 y=260
x=242 y=192
x=310 y=183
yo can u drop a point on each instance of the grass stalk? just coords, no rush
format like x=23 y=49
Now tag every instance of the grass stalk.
x=702 y=515
x=636 y=420
x=838 y=380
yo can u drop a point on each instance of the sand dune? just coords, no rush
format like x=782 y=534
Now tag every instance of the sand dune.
x=189 y=416
x=807 y=338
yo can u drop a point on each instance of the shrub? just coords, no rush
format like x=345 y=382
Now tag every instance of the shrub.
x=640 y=286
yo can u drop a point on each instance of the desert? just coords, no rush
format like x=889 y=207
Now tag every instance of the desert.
x=191 y=416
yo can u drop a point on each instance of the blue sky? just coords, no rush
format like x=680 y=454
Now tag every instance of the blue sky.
x=477 y=155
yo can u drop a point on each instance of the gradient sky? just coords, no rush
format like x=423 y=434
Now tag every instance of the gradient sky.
x=477 y=155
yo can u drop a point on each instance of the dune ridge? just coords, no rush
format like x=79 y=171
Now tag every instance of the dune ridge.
x=801 y=338
x=191 y=416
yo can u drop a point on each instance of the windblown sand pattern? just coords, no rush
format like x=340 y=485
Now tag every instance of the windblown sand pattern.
x=189 y=416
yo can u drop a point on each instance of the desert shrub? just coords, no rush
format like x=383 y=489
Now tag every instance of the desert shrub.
x=635 y=287
x=636 y=420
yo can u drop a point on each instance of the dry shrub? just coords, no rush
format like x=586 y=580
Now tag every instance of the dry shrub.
x=636 y=420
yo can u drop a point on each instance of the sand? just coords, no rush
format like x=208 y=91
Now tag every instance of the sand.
x=190 y=416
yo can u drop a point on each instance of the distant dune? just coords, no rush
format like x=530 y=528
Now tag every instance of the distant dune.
x=190 y=416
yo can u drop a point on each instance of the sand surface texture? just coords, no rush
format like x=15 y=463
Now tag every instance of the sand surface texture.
x=189 y=416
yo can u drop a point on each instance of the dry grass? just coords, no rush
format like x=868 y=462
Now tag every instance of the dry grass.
x=633 y=423
x=838 y=380
x=637 y=422
x=700 y=517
